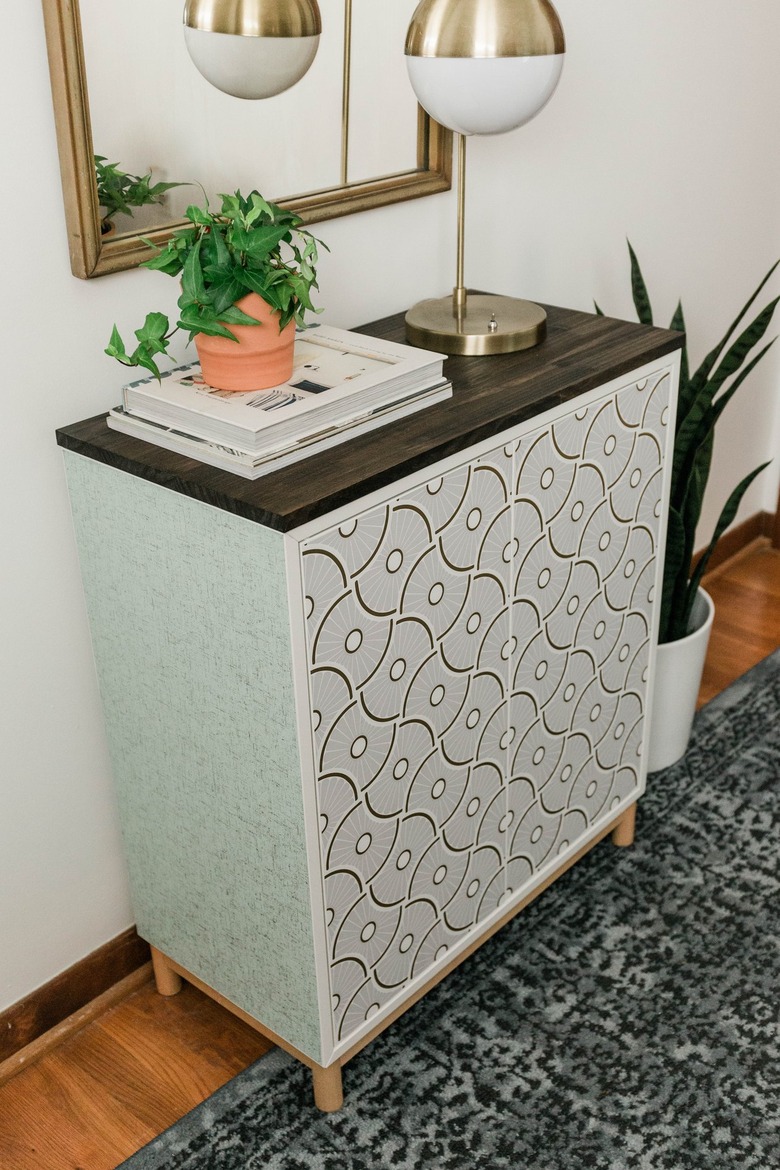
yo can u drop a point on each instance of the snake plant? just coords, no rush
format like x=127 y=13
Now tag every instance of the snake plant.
x=702 y=399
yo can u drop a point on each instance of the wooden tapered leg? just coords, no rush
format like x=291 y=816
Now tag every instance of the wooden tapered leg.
x=166 y=980
x=328 y=1092
x=623 y=832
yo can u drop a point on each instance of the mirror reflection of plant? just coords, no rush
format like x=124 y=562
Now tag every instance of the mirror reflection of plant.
x=703 y=397
x=119 y=192
x=221 y=258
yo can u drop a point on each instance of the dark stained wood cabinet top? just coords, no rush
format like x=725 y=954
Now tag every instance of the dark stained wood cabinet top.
x=490 y=394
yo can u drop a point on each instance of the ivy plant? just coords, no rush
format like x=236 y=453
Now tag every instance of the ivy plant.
x=703 y=397
x=119 y=191
x=250 y=245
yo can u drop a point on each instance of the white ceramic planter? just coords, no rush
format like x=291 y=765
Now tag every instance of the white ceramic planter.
x=678 y=670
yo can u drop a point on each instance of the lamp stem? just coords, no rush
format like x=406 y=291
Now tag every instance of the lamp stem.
x=459 y=292
x=345 y=93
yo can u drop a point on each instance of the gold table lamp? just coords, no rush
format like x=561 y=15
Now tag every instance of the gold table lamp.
x=481 y=67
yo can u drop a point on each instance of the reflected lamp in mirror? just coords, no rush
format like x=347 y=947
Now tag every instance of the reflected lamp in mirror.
x=252 y=48
x=481 y=67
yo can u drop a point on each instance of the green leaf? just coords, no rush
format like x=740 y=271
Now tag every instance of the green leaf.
x=168 y=261
x=154 y=327
x=284 y=295
x=725 y=519
x=258 y=243
x=742 y=347
x=192 y=275
x=255 y=281
x=272 y=210
x=236 y=316
x=599 y=312
x=301 y=290
x=199 y=321
x=225 y=294
x=700 y=421
x=160 y=188
x=708 y=365
x=693 y=494
x=722 y=402
x=260 y=207
x=639 y=291
x=116 y=346
x=231 y=206
x=142 y=358
x=696 y=418
x=221 y=252
x=198 y=215
x=678 y=324
x=152 y=334
x=674 y=568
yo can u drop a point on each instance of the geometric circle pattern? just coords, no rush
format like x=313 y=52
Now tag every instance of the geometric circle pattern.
x=477 y=654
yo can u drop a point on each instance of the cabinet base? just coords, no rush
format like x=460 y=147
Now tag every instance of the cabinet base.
x=328 y=1091
x=168 y=977
x=327 y=1084
x=624 y=830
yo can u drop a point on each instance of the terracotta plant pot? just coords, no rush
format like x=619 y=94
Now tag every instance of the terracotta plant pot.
x=262 y=357
x=678 y=669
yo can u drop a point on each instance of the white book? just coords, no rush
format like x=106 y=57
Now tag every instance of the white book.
x=254 y=466
x=337 y=376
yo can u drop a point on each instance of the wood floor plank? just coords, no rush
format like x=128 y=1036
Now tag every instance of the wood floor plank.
x=187 y=1065
x=113 y=1087
x=108 y=1090
x=746 y=594
x=52 y=1119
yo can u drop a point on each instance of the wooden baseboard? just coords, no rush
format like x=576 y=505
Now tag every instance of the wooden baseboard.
x=67 y=994
x=73 y=1024
x=760 y=524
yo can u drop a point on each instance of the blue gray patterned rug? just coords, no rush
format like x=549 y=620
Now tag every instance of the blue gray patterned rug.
x=628 y=1020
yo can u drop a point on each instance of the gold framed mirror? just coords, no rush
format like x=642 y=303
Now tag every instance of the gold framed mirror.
x=423 y=167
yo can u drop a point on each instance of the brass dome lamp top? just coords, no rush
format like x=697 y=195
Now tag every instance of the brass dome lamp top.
x=485 y=29
x=255 y=18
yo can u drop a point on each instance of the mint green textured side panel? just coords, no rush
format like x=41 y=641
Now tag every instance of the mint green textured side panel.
x=188 y=609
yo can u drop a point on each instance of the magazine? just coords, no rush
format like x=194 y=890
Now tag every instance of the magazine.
x=253 y=466
x=337 y=376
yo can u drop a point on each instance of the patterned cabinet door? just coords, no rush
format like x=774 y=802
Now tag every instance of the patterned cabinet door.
x=477 y=658
x=409 y=667
x=587 y=501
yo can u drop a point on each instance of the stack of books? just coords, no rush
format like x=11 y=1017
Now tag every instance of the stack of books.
x=343 y=384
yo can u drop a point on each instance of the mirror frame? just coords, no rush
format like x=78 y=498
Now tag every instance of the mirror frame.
x=91 y=256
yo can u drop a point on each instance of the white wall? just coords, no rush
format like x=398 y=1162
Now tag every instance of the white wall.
x=662 y=130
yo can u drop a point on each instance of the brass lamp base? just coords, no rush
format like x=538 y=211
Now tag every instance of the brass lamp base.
x=483 y=324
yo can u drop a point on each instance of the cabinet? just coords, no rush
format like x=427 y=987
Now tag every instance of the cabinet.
x=355 y=730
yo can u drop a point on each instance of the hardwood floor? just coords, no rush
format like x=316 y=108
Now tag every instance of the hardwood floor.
x=746 y=592
x=112 y=1087
x=125 y=1078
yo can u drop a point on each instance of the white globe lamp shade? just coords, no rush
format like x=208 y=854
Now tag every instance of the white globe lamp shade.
x=484 y=66
x=484 y=95
x=252 y=48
